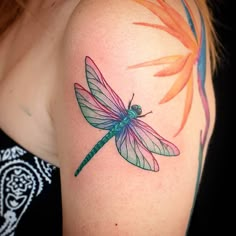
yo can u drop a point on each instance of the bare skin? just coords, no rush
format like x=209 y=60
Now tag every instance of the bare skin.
x=42 y=56
x=25 y=88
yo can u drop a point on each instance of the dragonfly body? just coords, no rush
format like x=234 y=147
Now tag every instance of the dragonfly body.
x=131 y=114
x=103 y=109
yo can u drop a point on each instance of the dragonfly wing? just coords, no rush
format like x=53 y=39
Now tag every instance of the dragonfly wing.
x=130 y=147
x=102 y=91
x=94 y=112
x=152 y=140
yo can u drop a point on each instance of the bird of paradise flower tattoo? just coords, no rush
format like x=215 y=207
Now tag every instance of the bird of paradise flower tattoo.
x=194 y=39
x=104 y=109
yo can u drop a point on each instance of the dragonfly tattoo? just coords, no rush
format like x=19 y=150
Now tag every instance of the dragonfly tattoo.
x=103 y=109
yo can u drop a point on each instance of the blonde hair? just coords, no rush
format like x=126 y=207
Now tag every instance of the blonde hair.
x=11 y=10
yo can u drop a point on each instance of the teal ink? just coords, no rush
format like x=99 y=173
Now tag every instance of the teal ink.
x=132 y=114
x=189 y=18
x=103 y=109
x=201 y=74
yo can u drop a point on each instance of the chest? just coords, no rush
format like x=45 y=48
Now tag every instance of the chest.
x=26 y=89
x=25 y=95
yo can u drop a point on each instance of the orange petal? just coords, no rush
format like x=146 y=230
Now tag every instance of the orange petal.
x=183 y=26
x=188 y=104
x=160 y=12
x=161 y=61
x=182 y=38
x=174 y=68
x=181 y=81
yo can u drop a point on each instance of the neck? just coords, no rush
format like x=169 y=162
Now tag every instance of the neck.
x=41 y=20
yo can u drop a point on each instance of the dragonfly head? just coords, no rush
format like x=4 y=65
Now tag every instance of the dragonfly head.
x=137 y=109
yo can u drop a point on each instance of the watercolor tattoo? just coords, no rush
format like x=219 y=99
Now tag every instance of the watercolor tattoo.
x=104 y=109
x=193 y=38
x=181 y=65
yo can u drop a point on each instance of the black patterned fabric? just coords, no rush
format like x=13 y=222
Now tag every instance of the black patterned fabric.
x=30 y=194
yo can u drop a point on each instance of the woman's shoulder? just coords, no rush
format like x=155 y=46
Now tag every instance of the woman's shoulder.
x=128 y=31
x=155 y=54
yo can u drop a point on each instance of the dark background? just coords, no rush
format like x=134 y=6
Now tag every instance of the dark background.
x=213 y=213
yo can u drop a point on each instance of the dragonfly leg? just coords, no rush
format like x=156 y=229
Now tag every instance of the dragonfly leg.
x=145 y=114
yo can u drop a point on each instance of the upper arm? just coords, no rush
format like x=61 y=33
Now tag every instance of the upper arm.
x=132 y=48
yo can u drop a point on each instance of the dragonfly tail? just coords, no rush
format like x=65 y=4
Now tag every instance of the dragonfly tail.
x=84 y=162
x=95 y=149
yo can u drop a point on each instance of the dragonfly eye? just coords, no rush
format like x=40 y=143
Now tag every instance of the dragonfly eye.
x=137 y=109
